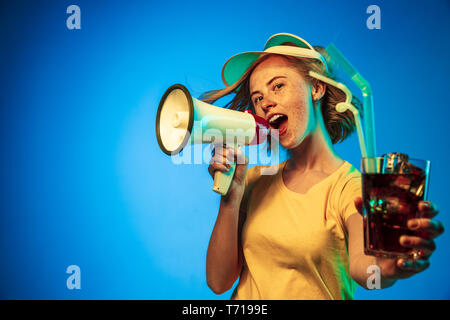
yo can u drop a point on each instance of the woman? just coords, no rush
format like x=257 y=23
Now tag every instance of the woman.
x=297 y=234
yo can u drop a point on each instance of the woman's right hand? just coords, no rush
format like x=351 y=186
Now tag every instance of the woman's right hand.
x=220 y=161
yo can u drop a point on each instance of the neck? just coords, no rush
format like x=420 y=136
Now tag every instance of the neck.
x=316 y=151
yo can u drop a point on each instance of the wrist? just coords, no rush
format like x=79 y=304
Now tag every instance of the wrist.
x=387 y=273
x=233 y=197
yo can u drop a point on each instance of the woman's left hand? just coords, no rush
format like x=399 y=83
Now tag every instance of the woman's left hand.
x=426 y=230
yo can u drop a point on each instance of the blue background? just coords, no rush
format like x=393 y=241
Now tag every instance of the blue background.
x=82 y=178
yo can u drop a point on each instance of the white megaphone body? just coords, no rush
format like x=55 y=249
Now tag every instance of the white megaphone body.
x=179 y=114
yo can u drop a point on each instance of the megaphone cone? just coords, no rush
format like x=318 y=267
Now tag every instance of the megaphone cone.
x=174 y=119
x=179 y=114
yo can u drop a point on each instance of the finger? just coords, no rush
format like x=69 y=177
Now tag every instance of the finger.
x=218 y=150
x=212 y=171
x=230 y=154
x=359 y=204
x=403 y=272
x=413 y=266
x=220 y=161
x=220 y=157
x=235 y=154
x=240 y=157
x=426 y=228
x=223 y=154
x=213 y=167
x=427 y=209
x=224 y=150
x=426 y=246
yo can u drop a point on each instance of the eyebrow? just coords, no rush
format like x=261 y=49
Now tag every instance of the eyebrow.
x=268 y=84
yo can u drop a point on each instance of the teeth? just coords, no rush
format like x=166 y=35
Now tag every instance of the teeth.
x=274 y=118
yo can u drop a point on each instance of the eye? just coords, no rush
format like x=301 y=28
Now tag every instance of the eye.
x=257 y=99
x=278 y=86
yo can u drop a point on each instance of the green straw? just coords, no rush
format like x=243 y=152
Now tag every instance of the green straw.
x=369 y=121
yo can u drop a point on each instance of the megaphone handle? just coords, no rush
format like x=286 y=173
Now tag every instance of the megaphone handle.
x=222 y=180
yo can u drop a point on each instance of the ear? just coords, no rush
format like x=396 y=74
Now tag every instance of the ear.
x=318 y=90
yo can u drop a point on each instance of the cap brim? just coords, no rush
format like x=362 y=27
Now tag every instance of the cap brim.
x=236 y=66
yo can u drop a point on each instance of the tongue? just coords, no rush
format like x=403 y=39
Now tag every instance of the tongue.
x=283 y=126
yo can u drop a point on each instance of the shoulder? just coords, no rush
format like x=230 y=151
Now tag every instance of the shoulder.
x=348 y=188
x=350 y=171
x=346 y=185
x=349 y=177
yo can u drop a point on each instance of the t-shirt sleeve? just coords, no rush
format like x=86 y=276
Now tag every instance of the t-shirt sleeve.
x=351 y=190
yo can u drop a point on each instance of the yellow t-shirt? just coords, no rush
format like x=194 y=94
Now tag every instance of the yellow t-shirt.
x=296 y=245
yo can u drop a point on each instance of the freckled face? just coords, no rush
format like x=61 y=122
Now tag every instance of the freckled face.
x=276 y=87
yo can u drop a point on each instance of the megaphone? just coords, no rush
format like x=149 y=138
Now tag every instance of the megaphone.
x=179 y=115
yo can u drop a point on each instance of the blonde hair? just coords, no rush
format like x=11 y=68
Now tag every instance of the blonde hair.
x=339 y=125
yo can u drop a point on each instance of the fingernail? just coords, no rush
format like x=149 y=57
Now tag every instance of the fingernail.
x=420 y=253
x=412 y=224
x=426 y=205
x=405 y=241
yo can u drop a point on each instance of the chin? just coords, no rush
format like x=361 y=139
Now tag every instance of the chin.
x=289 y=142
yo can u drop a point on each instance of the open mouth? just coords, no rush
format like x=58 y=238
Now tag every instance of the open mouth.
x=278 y=122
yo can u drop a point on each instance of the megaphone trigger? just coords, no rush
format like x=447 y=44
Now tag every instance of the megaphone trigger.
x=222 y=180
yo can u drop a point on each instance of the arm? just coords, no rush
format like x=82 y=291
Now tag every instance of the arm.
x=224 y=257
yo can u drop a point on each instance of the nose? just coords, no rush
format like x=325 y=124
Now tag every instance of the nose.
x=267 y=104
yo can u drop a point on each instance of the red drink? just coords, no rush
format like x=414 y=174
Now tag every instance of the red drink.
x=390 y=200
